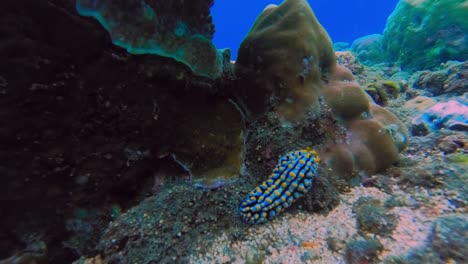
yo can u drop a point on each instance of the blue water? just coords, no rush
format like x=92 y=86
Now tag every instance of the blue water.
x=345 y=20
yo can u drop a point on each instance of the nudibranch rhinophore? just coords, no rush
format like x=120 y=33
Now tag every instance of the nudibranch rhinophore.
x=291 y=179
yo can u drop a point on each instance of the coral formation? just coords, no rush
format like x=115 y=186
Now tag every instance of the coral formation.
x=373 y=218
x=91 y=125
x=382 y=91
x=419 y=103
x=419 y=36
x=162 y=28
x=375 y=136
x=363 y=250
x=450 y=237
x=369 y=49
x=100 y=144
x=284 y=56
x=290 y=180
x=350 y=61
x=286 y=63
x=451 y=79
x=452 y=114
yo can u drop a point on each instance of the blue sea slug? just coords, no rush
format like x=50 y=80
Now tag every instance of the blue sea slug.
x=291 y=179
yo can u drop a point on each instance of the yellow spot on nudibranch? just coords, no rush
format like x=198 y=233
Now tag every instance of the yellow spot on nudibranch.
x=302 y=161
x=258 y=207
x=269 y=200
x=292 y=174
x=284 y=185
x=317 y=159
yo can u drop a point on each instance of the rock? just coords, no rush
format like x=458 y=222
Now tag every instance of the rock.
x=452 y=78
x=419 y=36
x=450 y=115
x=350 y=61
x=452 y=143
x=419 y=130
x=253 y=256
x=373 y=217
x=369 y=49
x=363 y=250
x=450 y=237
x=273 y=83
x=150 y=27
x=381 y=91
x=419 y=103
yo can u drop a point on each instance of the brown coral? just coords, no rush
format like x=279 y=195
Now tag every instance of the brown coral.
x=284 y=55
x=286 y=63
x=375 y=136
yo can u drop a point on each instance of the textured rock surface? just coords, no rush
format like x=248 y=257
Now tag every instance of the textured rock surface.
x=284 y=56
x=363 y=250
x=91 y=130
x=450 y=237
x=452 y=114
x=162 y=28
x=286 y=69
x=373 y=218
x=419 y=35
x=451 y=79
x=369 y=49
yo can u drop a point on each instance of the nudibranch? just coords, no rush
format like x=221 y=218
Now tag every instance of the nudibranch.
x=291 y=179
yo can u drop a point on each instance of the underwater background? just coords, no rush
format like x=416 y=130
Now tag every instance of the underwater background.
x=150 y=131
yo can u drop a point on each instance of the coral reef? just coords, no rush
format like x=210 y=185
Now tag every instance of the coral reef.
x=162 y=28
x=373 y=218
x=283 y=62
x=419 y=36
x=419 y=103
x=291 y=179
x=451 y=79
x=93 y=127
x=374 y=137
x=363 y=250
x=369 y=49
x=111 y=157
x=286 y=72
x=452 y=114
x=382 y=91
x=350 y=61
x=451 y=230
